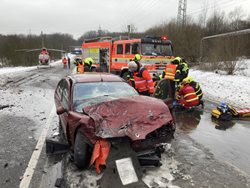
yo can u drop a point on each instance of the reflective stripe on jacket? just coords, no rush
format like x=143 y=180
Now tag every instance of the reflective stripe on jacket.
x=143 y=81
x=170 y=71
x=197 y=88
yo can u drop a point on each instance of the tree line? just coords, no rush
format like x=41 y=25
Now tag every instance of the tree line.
x=11 y=44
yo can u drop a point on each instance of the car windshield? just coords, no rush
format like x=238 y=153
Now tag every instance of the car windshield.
x=86 y=94
x=156 y=49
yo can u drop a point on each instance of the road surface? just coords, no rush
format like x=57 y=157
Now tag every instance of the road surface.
x=203 y=153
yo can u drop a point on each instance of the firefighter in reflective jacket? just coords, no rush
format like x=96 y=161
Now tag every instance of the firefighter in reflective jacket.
x=186 y=95
x=140 y=79
x=79 y=66
x=87 y=64
x=181 y=69
x=196 y=87
x=170 y=72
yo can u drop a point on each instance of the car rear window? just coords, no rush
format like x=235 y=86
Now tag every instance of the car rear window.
x=86 y=94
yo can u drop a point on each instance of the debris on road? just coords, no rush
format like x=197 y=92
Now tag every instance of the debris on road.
x=5 y=106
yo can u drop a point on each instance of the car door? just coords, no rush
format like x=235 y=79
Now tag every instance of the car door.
x=164 y=91
x=62 y=99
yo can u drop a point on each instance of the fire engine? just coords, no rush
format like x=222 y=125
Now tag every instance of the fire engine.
x=114 y=54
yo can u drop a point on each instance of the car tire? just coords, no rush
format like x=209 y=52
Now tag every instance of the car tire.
x=81 y=156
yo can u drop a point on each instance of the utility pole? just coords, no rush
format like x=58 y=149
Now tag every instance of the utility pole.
x=42 y=39
x=182 y=12
x=129 y=30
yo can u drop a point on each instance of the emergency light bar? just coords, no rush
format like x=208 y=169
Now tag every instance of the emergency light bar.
x=164 y=38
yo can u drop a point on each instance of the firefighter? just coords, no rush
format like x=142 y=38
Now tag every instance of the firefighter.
x=65 y=61
x=195 y=85
x=87 y=64
x=181 y=69
x=186 y=95
x=140 y=79
x=79 y=66
x=170 y=72
x=68 y=62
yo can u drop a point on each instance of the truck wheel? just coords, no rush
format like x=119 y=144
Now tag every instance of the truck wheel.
x=81 y=155
x=93 y=69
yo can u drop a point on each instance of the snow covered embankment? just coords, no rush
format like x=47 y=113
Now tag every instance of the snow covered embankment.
x=232 y=89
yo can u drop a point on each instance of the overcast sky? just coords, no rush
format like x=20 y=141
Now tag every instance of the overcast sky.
x=78 y=16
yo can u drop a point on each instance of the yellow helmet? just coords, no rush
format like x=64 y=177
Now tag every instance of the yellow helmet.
x=177 y=61
x=137 y=57
x=188 y=79
x=89 y=60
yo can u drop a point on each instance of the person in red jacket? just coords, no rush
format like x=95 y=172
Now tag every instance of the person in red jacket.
x=140 y=79
x=186 y=95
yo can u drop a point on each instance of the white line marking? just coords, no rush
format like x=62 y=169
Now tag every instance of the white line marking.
x=36 y=154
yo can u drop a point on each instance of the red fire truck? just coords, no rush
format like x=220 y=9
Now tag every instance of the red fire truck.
x=114 y=54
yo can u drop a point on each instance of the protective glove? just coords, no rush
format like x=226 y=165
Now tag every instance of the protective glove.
x=176 y=104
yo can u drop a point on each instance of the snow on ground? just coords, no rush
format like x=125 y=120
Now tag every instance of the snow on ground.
x=11 y=70
x=233 y=89
x=8 y=70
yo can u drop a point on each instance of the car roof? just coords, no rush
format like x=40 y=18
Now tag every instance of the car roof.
x=95 y=77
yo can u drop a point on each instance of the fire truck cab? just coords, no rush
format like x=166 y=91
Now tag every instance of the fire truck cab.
x=114 y=54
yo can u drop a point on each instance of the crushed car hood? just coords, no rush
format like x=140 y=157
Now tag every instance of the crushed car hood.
x=134 y=117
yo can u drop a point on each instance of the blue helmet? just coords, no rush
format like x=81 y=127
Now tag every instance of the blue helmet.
x=223 y=105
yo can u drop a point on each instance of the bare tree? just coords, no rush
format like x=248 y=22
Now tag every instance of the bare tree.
x=203 y=16
x=236 y=17
x=216 y=23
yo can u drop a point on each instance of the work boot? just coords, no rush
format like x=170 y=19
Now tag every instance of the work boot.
x=202 y=104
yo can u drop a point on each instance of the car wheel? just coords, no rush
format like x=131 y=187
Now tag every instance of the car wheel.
x=81 y=155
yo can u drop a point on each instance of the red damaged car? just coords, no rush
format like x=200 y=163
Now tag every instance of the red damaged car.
x=101 y=106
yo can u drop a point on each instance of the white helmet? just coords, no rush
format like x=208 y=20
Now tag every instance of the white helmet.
x=132 y=66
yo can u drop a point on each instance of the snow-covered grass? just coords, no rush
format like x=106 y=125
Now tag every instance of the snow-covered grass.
x=233 y=89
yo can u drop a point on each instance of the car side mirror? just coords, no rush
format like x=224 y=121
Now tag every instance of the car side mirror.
x=60 y=110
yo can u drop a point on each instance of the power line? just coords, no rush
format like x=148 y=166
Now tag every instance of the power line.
x=225 y=4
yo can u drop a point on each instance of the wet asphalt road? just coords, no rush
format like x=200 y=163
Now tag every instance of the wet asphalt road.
x=203 y=154
x=28 y=100
x=228 y=140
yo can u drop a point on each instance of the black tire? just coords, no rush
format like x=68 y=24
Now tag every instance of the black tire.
x=93 y=69
x=81 y=155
